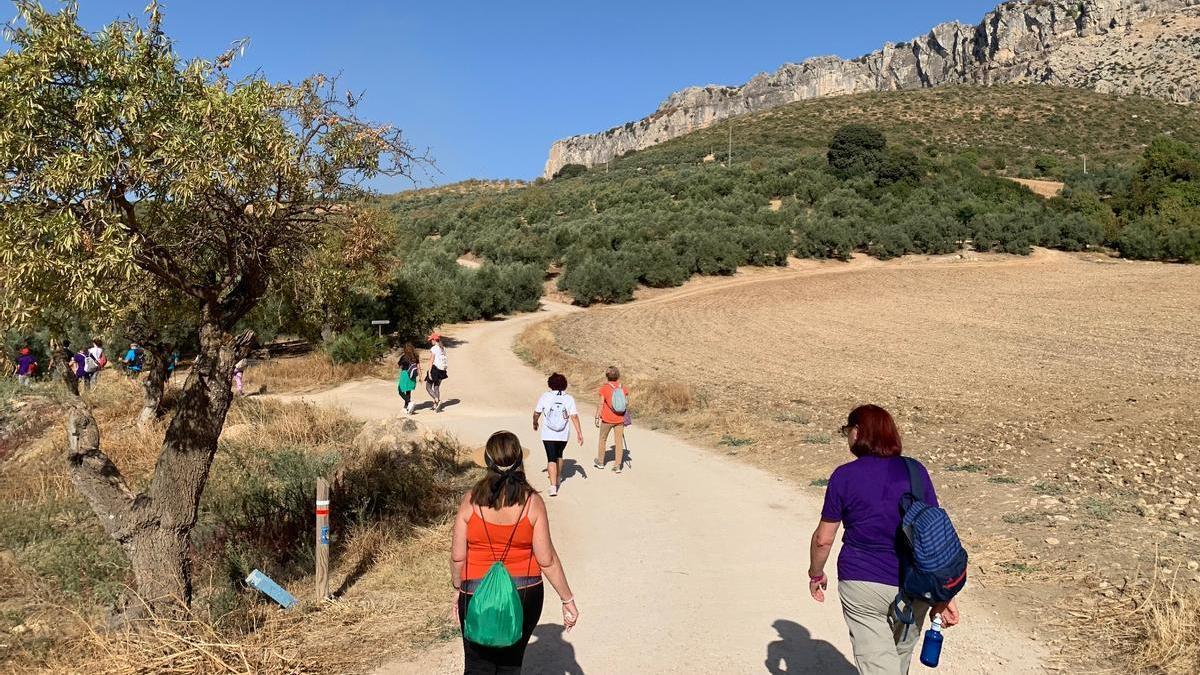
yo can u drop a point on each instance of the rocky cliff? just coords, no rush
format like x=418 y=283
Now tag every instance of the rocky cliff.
x=1147 y=47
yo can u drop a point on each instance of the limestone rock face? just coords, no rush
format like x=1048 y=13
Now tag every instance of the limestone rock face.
x=1149 y=47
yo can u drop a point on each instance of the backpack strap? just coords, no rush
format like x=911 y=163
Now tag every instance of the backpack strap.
x=511 y=535
x=916 y=486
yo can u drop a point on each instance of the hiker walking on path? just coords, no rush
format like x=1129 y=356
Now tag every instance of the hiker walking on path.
x=865 y=494
x=410 y=373
x=26 y=367
x=133 y=361
x=80 y=359
x=94 y=361
x=437 y=371
x=556 y=413
x=612 y=414
x=501 y=541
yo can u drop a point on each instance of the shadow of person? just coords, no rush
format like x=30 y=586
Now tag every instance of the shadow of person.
x=549 y=654
x=622 y=454
x=570 y=468
x=450 y=402
x=797 y=652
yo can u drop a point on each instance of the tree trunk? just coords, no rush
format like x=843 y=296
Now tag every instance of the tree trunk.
x=154 y=383
x=154 y=526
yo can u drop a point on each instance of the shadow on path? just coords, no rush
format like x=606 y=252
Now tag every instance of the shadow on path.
x=571 y=468
x=797 y=652
x=549 y=654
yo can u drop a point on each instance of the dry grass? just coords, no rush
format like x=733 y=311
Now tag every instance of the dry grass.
x=272 y=423
x=310 y=372
x=1153 y=623
x=396 y=609
x=1165 y=632
x=649 y=397
x=390 y=575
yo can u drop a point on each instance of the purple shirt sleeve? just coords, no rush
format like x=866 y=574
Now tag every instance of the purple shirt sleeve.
x=832 y=509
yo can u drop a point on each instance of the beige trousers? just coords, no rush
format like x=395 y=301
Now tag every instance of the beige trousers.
x=880 y=643
x=618 y=433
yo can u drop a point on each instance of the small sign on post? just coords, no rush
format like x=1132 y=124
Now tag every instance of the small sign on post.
x=380 y=323
x=322 y=549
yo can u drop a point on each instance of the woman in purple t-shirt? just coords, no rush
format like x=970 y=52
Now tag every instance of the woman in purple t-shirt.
x=864 y=495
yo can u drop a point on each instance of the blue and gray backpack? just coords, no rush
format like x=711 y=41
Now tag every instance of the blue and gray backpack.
x=933 y=562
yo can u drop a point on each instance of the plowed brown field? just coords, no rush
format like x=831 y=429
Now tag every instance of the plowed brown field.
x=1054 y=398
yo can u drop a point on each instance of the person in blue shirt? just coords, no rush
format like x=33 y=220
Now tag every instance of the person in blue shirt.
x=133 y=360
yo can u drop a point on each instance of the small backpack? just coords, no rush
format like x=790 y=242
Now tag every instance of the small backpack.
x=557 y=416
x=933 y=562
x=619 y=404
x=495 y=617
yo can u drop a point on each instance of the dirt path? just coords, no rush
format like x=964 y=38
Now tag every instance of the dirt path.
x=690 y=562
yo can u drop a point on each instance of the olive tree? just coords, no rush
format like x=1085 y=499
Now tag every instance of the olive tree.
x=125 y=165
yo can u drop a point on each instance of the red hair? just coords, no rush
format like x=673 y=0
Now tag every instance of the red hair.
x=877 y=432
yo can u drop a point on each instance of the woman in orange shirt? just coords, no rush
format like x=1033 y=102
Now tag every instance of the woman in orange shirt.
x=502 y=508
x=610 y=419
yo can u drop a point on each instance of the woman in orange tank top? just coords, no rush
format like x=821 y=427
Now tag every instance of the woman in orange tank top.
x=504 y=519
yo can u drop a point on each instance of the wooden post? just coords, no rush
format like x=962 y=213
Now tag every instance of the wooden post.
x=322 y=549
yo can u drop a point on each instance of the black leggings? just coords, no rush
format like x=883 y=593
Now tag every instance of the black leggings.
x=406 y=395
x=480 y=660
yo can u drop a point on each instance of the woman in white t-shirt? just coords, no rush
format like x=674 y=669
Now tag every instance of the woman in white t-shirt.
x=94 y=361
x=556 y=413
x=437 y=371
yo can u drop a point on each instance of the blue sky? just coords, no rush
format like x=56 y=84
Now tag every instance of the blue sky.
x=488 y=86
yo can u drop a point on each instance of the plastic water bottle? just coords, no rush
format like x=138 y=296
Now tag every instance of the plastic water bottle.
x=931 y=649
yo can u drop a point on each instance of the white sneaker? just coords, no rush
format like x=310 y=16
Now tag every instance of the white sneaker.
x=553 y=491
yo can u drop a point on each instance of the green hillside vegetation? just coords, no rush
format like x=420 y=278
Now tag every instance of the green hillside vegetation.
x=911 y=172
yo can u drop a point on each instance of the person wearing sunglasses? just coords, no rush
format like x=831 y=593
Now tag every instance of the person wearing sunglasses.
x=864 y=495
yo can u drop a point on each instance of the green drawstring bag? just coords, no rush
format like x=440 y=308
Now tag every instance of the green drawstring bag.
x=495 y=617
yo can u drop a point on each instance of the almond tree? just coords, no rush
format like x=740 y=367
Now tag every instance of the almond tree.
x=125 y=166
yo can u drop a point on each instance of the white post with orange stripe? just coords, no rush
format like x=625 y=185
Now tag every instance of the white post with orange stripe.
x=322 y=548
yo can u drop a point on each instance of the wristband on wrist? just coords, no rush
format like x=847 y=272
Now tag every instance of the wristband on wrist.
x=817 y=579
x=569 y=600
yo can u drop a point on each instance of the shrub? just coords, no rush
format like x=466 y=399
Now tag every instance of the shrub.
x=824 y=236
x=1070 y=232
x=1173 y=233
x=899 y=166
x=600 y=279
x=1002 y=231
x=569 y=171
x=856 y=150
x=357 y=345
x=1047 y=166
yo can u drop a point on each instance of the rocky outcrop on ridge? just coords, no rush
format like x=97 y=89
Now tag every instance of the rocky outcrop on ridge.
x=1147 y=47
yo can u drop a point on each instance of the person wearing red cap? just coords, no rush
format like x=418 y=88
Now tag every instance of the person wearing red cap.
x=437 y=371
x=26 y=367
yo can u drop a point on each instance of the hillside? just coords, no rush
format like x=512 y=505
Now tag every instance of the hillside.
x=659 y=216
x=1112 y=46
x=1008 y=126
